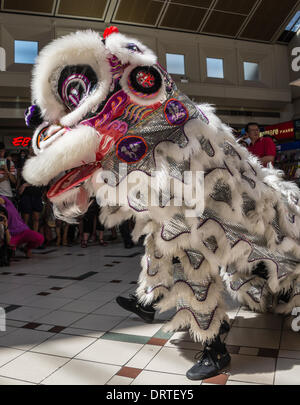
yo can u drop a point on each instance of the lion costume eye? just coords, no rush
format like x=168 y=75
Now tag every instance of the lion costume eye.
x=143 y=84
x=133 y=47
x=75 y=83
x=144 y=80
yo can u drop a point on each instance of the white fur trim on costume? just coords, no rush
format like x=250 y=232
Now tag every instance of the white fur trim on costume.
x=82 y=47
x=71 y=204
x=245 y=203
x=53 y=131
x=186 y=318
x=116 y=44
x=67 y=152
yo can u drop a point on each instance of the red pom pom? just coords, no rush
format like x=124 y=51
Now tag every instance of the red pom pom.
x=110 y=30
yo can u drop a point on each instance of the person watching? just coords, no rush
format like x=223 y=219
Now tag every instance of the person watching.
x=30 y=202
x=262 y=147
x=5 y=235
x=5 y=250
x=19 y=231
x=7 y=174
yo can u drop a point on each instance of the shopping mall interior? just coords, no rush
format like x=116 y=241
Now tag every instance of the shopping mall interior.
x=60 y=323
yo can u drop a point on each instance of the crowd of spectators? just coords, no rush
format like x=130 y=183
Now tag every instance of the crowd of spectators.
x=27 y=221
x=26 y=216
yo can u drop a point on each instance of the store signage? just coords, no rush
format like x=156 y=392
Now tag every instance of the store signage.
x=297 y=129
x=16 y=142
x=21 y=141
x=282 y=131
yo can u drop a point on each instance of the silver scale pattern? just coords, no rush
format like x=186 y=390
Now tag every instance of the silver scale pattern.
x=238 y=283
x=174 y=227
x=138 y=202
x=211 y=243
x=276 y=227
x=177 y=169
x=256 y=292
x=230 y=150
x=222 y=192
x=195 y=257
x=231 y=269
x=285 y=264
x=291 y=218
x=152 y=268
x=178 y=272
x=151 y=288
x=203 y=320
x=200 y=290
x=248 y=204
x=296 y=289
x=154 y=129
x=250 y=181
x=207 y=146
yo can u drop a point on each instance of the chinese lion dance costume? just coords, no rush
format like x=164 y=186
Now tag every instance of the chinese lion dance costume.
x=101 y=103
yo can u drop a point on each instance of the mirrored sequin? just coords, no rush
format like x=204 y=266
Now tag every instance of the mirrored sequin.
x=211 y=243
x=203 y=320
x=237 y=284
x=255 y=292
x=200 y=291
x=250 y=181
x=178 y=272
x=291 y=218
x=207 y=146
x=248 y=204
x=177 y=169
x=296 y=289
x=230 y=150
x=285 y=263
x=139 y=203
x=222 y=192
x=231 y=269
x=154 y=129
x=173 y=228
x=152 y=268
x=195 y=258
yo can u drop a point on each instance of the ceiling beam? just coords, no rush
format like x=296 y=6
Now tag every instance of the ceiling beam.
x=162 y=13
x=110 y=11
x=55 y=8
x=207 y=15
x=250 y=15
x=285 y=22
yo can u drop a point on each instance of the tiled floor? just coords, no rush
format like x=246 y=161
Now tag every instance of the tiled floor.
x=63 y=326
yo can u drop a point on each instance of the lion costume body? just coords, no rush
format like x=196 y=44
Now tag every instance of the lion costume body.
x=106 y=104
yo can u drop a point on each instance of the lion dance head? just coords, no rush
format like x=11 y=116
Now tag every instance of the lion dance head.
x=99 y=102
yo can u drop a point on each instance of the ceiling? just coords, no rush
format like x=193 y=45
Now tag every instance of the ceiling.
x=255 y=20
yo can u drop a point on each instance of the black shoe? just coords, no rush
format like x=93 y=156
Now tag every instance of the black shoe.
x=131 y=304
x=285 y=297
x=260 y=270
x=129 y=245
x=225 y=327
x=210 y=364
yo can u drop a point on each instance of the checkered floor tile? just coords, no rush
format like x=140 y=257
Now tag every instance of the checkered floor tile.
x=62 y=319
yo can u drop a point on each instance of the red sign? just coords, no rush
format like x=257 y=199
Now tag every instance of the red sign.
x=21 y=141
x=282 y=131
